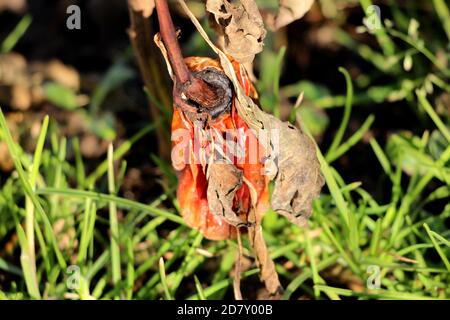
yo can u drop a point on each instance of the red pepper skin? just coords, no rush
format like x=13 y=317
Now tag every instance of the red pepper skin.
x=186 y=159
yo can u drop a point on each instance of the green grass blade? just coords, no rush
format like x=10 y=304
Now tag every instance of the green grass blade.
x=382 y=158
x=354 y=139
x=113 y=222
x=28 y=268
x=79 y=165
x=29 y=190
x=198 y=286
x=306 y=274
x=375 y=241
x=14 y=37
x=383 y=38
x=120 y=202
x=421 y=95
x=220 y=285
x=29 y=208
x=54 y=199
x=437 y=247
x=276 y=80
x=422 y=49
x=38 y=152
x=87 y=230
x=130 y=270
x=7 y=267
x=312 y=260
x=334 y=189
x=444 y=15
x=347 y=111
x=340 y=249
x=162 y=273
x=440 y=238
x=378 y=294
x=181 y=272
x=120 y=151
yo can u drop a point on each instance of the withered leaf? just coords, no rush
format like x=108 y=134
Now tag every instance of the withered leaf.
x=268 y=273
x=289 y=11
x=144 y=6
x=241 y=25
x=237 y=269
x=298 y=180
x=224 y=180
x=160 y=44
x=264 y=261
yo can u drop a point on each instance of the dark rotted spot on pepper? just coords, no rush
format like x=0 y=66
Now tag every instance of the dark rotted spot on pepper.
x=222 y=87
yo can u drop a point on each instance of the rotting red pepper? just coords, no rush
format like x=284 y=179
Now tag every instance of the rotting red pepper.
x=197 y=136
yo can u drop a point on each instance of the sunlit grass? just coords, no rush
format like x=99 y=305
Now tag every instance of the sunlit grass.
x=132 y=250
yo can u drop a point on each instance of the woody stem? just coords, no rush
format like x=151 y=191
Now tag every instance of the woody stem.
x=192 y=86
x=169 y=38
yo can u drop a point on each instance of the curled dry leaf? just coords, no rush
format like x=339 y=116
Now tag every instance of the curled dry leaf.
x=268 y=274
x=159 y=43
x=144 y=6
x=241 y=25
x=298 y=180
x=238 y=269
x=224 y=179
x=289 y=11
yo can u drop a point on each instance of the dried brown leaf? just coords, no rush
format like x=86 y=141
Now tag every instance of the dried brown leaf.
x=268 y=273
x=144 y=6
x=223 y=181
x=241 y=25
x=237 y=270
x=289 y=11
x=160 y=44
x=298 y=180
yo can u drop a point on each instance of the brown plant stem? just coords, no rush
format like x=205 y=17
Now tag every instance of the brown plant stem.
x=153 y=73
x=193 y=87
x=169 y=37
